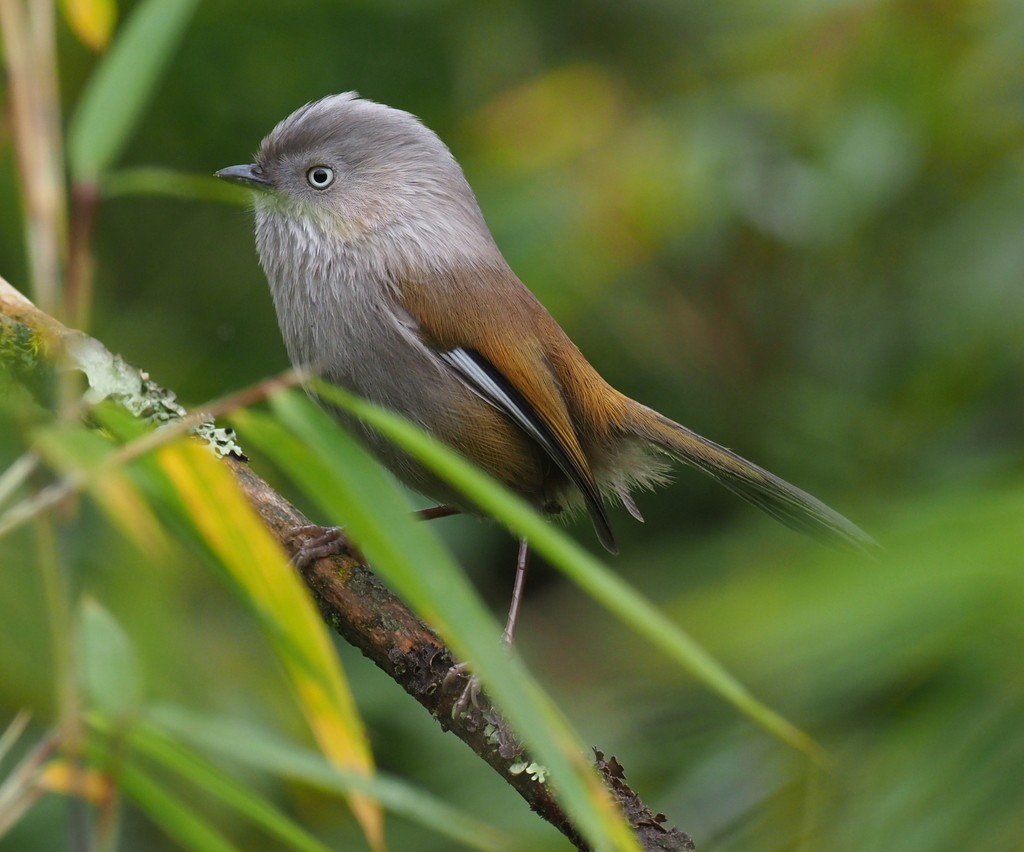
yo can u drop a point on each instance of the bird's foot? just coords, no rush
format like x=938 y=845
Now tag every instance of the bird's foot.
x=470 y=692
x=315 y=542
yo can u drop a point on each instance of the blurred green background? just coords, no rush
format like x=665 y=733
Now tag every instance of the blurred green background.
x=797 y=228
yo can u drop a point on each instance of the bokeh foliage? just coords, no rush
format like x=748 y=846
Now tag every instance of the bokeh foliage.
x=797 y=228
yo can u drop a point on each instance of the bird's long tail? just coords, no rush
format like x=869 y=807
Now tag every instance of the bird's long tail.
x=784 y=502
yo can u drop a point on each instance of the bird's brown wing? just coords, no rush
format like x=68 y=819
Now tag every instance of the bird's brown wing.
x=487 y=327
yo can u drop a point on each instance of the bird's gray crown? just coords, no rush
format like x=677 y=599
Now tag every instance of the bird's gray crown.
x=353 y=128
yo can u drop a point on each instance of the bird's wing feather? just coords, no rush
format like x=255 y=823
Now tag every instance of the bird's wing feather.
x=496 y=347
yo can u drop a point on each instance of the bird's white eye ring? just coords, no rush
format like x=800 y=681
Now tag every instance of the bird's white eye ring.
x=320 y=177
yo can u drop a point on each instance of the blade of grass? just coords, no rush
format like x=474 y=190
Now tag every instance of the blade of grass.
x=161 y=739
x=150 y=180
x=121 y=84
x=617 y=596
x=168 y=811
x=258 y=567
x=340 y=475
x=212 y=781
x=210 y=499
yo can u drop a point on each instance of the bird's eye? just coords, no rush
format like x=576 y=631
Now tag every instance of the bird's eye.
x=320 y=177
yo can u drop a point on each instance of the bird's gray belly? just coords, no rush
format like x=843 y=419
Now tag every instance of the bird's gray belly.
x=368 y=353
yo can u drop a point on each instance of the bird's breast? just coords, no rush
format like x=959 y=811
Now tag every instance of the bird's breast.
x=339 y=319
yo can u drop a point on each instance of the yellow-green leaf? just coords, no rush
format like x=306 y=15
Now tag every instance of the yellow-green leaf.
x=257 y=564
x=62 y=776
x=76 y=451
x=92 y=21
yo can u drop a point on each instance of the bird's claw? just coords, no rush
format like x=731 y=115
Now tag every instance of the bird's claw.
x=470 y=693
x=316 y=542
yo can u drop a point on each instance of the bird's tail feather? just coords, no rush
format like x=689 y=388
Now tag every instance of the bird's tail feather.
x=786 y=503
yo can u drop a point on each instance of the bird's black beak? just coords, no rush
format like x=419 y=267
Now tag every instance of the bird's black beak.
x=250 y=175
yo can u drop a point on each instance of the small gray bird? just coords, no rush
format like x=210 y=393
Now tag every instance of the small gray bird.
x=388 y=283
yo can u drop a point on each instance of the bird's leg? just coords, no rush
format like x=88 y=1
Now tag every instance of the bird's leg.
x=331 y=541
x=435 y=512
x=522 y=563
x=472 y=689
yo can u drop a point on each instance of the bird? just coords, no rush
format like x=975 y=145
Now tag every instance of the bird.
x=387 y=282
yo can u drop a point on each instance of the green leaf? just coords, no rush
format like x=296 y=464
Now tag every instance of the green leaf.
x=110 y=667
x=353 y=488
x=214 y=782
x=168 y=811
x=258 y=749
x=617 y=596
x=121 y=85
x=150 y=180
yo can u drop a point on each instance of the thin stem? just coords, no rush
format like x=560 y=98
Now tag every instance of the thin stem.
x=84 y=201
x=69 y=699
x=18 y=792
x=31 y=65
x=60 y=621
x=14 y=477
